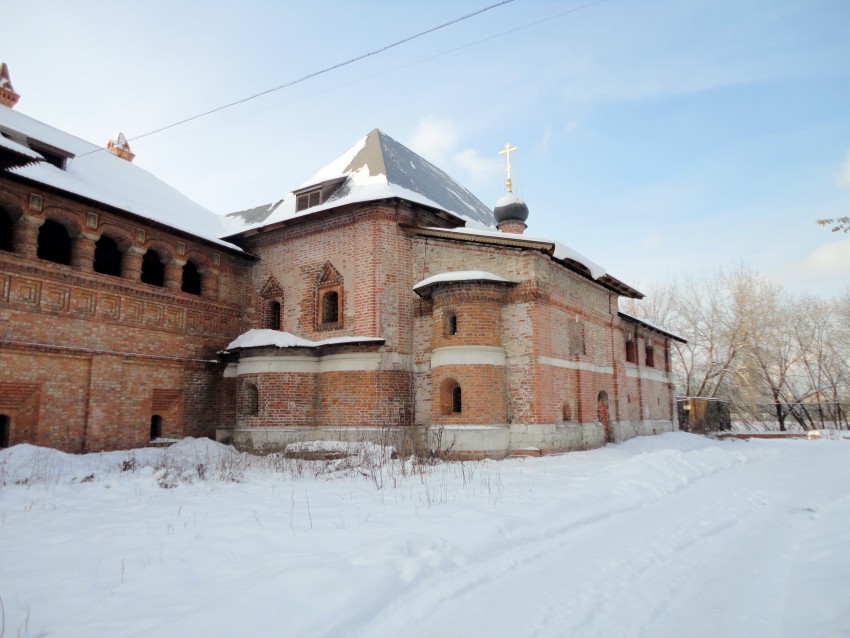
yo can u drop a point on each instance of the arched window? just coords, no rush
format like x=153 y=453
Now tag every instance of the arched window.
x=251 y=400
x=153 y=270
x=567 y=412
x=5 y=434
x=330 y=307
x=457 y=401
x=6 y=232
x=107 y=257
x=156 y=427
x=54 y=244
x=191 y=279
x=273 y=317
x=451 y=397
x=451 y=324
x=329 y=299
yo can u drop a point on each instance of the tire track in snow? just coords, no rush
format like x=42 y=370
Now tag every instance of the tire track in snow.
x=421 y=599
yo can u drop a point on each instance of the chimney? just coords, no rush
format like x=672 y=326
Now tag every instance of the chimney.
x=120 y=147
x=8 y=97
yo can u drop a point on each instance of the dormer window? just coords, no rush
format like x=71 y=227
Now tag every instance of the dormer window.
x=308 y=200
x=316 y=193
x=51 y=154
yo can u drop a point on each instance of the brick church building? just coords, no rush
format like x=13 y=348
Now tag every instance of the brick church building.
x=378 y=297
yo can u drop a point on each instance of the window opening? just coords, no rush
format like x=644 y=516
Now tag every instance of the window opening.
x=451 y=326
x=153 y=270
x=567 y=413
x=274 y=316
x=107 y=257
x=330 y=307
x=156 y=427
x=54 y=244
x=650 y=355
x=631 y=351
x=308 y=200
x=6 y=226
x=457 y=402
x=4 y=430
x=191 y=279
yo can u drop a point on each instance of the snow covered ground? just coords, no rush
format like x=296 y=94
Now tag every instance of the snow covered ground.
x=674 y=535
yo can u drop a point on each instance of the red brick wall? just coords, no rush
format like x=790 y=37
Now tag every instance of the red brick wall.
x=98 y=346
x=482 y=393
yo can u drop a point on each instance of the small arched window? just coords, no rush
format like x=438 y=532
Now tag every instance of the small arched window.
x=330 y=307
x=451 y=397
x=156 y=427
x=54 y=243
x=273 y=316
x=457 y=400
x=107 y=257
x=451 y=324
x=153 y=270
x=191 y=279
x=6 y=231
x=5 y=434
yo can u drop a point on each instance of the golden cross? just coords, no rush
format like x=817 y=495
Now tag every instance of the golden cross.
x=507 y=151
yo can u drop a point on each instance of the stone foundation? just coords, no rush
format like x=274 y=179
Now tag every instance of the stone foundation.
x=462 y=441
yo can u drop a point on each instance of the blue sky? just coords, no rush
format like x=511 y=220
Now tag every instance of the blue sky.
x=655 y=137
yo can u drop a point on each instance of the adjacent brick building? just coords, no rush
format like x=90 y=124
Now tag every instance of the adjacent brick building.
x=379 y=297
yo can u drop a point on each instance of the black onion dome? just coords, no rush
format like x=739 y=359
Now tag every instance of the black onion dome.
x=509 y=207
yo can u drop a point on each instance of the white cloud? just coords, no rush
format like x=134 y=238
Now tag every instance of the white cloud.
x=479 y=170
x=434 y=139
x=843 y=178
x=832 y=258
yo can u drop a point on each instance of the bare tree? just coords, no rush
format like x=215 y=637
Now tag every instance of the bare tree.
x=752 y=343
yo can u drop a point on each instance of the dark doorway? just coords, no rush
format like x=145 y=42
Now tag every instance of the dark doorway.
x=54 y=244
x=5 y=434
x=156 y=427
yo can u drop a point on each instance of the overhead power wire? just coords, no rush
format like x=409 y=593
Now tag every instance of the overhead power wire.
x=327 y=69
x=496 y=36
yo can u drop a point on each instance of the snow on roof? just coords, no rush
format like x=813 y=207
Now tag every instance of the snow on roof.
x=460 y=275
x=376 y=167
x=20 y=148
x=97 y=174
x=561 y=251
x=257 y=338
x=651 y=325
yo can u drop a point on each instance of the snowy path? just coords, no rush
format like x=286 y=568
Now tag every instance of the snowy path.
x=673 y=535
x=715 y=557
